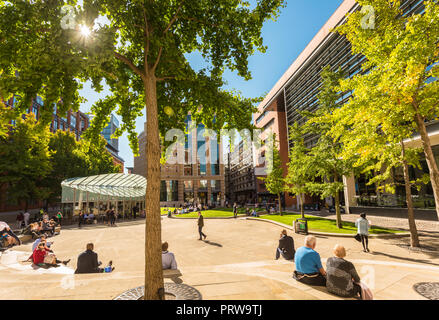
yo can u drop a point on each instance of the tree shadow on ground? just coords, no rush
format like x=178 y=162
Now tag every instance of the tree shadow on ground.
x=324 y=290
x=213 y=243
x=404 y=258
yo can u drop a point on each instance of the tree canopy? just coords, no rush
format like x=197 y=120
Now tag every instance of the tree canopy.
x=25 y=161
x=396 y=92
x=141 y=52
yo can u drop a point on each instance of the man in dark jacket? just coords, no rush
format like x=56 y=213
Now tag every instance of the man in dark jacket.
x=88 y=261
x=200 y=226
x=286 y=246
x=235 y=210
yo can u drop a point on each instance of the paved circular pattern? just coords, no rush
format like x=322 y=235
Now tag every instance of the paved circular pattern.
x=172 y=291
x=430 y=290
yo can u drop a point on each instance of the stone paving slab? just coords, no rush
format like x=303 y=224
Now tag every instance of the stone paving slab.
x=236 y=262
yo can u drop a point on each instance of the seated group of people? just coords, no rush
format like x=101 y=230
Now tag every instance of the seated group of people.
x=251 y=213
x=44 y=257
x=340 y=276
x=43 y=227
x=88 y=217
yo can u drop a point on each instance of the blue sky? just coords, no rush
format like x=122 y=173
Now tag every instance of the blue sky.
x=285 y=38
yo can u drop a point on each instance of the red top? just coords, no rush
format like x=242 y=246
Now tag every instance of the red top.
x=38 y=256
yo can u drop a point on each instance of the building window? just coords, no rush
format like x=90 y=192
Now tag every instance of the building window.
x=169 y=190
x=40 y=101
x=202 y=169
x=269 y=124
x=73 y=121
x=262 y=116
x=203 y=185
x=35 y=110
x=215 y=185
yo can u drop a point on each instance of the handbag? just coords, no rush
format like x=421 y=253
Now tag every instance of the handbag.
x=357 y=237
x=50 y=258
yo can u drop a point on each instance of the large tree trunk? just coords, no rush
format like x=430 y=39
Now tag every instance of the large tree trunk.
x=414 y=239
x=154 y=286
x=337 y=205
x=302 y=203
x=337 y=210
x=280 y=204
x=431 y=162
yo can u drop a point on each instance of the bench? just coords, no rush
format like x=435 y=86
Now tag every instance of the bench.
x=25 y=238
x=172 y=274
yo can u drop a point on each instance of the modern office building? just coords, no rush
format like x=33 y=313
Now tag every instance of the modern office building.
x=271 y=120
x=76 y=122
x=297 y=90
x=196 y=175
x=113 y=143
x=241 y=179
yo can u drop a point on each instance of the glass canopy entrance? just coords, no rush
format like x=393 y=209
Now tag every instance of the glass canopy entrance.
x=99 y=193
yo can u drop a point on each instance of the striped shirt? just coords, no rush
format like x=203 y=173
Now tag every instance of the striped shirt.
x=340 y=276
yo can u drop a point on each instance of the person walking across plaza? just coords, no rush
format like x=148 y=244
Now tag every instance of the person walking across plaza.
x=201 y=225
x=26 y=218
x=112 y=218
x=20 y=219
x=363 y=227
x=59 y=217
x=235 y=210
x=80 y=218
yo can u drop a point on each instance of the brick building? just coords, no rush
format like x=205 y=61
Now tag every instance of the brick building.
x=197 y=175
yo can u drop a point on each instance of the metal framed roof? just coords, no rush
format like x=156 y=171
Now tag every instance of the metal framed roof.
x=117 y=185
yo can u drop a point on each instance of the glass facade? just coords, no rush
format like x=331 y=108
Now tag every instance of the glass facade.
x=73 y=121
x=169 y=190
x=188 y=191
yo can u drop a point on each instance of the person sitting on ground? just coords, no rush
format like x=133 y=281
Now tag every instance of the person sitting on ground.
x=341 y=276
x=47 y=227
x=286 y=246
x=254 y=213
x=38 y=240
x=88 y=262
x=90 y=218
x=44 y=257
x=5 y=229
x=309 y=269
x=168 y=258
x=7 y=240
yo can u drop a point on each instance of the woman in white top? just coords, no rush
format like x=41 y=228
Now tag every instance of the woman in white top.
x=363 y=226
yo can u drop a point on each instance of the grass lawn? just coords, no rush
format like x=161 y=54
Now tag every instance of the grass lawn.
x=164 y=211
x=214 y=213
x=325 y=225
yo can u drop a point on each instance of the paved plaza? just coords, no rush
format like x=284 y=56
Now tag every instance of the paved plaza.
x=235 y=262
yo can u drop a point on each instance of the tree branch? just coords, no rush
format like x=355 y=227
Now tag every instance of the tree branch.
x=129 y=63
x=166 y=78
x=146 y=40
x=157 y=60
x=174 y=18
